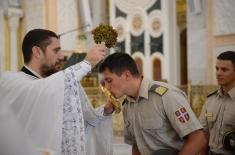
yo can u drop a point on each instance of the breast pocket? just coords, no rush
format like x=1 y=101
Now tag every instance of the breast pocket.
x=211 y=118
x=152 y=127
x=152 y=124
x=212 y=113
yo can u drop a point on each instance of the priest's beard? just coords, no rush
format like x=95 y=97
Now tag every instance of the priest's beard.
x=48 y=70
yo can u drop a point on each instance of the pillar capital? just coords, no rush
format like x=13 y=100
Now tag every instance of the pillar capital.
x=14 y=14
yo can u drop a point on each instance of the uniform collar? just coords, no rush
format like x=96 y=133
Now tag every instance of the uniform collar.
x=220 y=92
x=144 y=88
x=231 y=93
x=143 y=91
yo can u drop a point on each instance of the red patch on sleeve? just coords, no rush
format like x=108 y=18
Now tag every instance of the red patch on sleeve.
x=183 y=110
x=182 y=115
x=177 y=113
x=181 y=119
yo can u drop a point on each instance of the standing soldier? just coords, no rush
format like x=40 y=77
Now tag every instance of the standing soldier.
x=218 y=116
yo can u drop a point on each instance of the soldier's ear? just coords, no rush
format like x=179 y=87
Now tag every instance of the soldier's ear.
x=127 y=74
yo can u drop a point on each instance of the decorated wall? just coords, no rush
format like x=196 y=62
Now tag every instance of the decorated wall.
x=143 y=33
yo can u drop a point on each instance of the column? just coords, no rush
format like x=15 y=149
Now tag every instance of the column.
x=87 y=21
x=99 y=12
x=2 y=45
x=14 y=14
x=84 y=5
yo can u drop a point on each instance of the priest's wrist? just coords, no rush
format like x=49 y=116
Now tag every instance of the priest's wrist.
x=87 y=62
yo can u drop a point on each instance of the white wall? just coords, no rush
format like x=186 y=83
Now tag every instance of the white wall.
x=197 y=45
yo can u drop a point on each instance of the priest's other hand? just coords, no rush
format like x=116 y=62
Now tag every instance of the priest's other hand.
x=108 y=108
x=96 y=54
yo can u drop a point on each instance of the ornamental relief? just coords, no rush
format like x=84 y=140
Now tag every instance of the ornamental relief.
x=140 y=22
x=155 y=23
x=127 y=5
x=120 y=25
x=137 y=21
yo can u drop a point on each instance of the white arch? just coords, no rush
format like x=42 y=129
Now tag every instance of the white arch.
x=141 y=56
x=158 y=55
x=138 y=54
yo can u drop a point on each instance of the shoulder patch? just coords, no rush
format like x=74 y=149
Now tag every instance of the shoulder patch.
x=160 y=90
x=212 y=93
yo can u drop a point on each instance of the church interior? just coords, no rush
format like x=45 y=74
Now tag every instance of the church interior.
x=173 y=41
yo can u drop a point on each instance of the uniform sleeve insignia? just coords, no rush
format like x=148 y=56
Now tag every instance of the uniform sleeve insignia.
x=159 y=89
x=182 y=115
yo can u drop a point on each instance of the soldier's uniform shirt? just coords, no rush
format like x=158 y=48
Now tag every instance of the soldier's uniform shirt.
x=158 y=119
x=218 y=117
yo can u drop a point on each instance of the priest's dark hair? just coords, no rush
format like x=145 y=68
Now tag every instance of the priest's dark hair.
x=228 y=55
x=119 y=62
x=36 y=37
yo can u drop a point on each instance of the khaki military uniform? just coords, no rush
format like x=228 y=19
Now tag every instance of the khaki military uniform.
x=159 y=118
x=218 y=117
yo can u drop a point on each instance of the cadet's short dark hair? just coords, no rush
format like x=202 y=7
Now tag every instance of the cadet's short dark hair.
x=228 y=55
x=118 y=63
x=36 y=37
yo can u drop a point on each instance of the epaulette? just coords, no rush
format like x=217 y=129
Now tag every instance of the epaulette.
x=124 y=101
x=160 y=90
x=212 y=93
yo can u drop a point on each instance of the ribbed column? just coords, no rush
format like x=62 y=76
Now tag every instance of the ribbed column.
x=14 y=14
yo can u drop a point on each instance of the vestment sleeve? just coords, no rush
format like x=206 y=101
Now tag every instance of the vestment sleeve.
x=13 y=139
x=80 y=69
x=91 y=115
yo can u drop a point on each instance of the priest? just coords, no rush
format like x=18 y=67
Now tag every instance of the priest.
x=50 y=105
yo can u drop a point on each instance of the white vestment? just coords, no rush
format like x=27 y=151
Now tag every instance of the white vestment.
x=13 y=140
x=46 y=107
